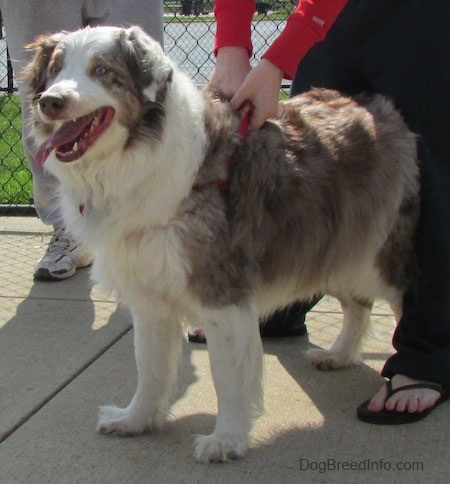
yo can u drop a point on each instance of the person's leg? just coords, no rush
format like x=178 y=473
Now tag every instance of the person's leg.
x=287 y=321
x=24 y=21
x=402 y=52
x=407 y=61
x=422 y=339
x=27 y=19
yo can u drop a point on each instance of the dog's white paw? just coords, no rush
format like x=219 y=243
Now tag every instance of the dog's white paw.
x=329 y=360
x=220 y=448
x=124 y=422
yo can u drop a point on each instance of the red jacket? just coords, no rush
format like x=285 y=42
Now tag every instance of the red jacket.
x=308 y=24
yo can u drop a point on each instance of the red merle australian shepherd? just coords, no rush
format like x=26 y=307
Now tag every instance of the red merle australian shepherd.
x=323 y=199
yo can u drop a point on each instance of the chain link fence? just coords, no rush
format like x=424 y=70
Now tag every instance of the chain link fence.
x=189 y=29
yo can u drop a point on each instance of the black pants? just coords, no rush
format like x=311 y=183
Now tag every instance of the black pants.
x=401 y=48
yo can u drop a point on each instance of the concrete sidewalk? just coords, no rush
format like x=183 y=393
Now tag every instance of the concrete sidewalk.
x=65 y=349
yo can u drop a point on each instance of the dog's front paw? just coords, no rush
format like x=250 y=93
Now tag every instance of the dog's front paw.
x=220 y=448
x=329 y=360
x=123 y=421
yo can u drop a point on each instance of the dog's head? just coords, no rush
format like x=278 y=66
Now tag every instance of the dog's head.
x=96 y=90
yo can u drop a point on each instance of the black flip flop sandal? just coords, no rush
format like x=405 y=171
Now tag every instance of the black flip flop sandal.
x=392 y=417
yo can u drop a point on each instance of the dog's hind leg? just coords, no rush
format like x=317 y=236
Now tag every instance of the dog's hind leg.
x=345 y=349
x=236 y=358
x=157 y=346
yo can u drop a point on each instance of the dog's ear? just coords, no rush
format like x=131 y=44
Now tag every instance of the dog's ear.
x=35 y=73
x=151 y=69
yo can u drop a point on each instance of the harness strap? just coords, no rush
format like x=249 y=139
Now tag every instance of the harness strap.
x=242 y=132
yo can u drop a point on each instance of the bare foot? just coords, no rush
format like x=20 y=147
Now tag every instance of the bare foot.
x=412 y=400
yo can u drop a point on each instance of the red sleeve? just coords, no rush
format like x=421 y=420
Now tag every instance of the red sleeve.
x=233 y=18
x=306 y=26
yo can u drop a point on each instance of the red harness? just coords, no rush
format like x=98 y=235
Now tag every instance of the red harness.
x=242 y=132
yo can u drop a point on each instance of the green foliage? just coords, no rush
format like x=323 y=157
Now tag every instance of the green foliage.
x=15 y=176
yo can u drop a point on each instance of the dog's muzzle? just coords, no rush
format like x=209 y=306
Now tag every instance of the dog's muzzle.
x=74 y=137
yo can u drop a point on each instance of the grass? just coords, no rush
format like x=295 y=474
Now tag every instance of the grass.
x=15 y=177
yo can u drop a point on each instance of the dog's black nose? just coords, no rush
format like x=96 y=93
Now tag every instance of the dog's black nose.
x=51 y=105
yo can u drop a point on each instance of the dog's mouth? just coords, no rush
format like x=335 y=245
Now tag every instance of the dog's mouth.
x=74 y=137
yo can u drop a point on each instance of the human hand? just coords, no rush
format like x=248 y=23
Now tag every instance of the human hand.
x=232 y=67
x=261 y=87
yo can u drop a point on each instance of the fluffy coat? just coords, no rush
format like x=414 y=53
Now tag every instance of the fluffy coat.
x=322 y=199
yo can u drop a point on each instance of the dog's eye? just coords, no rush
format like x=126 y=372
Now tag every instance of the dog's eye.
x=100 y=71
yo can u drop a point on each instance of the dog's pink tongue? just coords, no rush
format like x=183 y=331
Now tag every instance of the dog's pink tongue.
x=43 y=151
x=68 y=132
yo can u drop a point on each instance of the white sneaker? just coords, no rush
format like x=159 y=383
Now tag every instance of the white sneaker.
x=63 y=257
